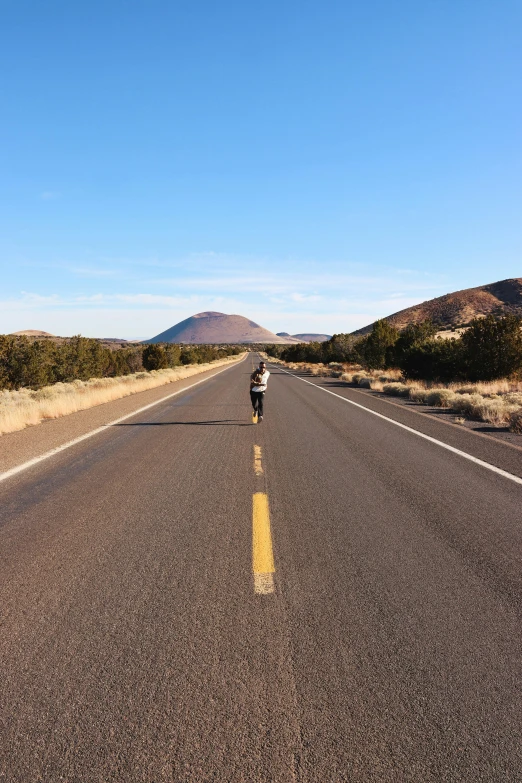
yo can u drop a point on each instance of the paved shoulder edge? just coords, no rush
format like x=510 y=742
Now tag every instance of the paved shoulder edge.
x=465 y=455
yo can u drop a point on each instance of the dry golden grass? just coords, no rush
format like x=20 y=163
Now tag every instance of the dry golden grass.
x=271 y=359
x=23 y=408
x=497 y=409
x=502 y=386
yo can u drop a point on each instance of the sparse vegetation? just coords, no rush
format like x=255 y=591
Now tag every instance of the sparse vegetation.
x=498 y=402
x=33 y=364
x=515 y=422
x=489 y=349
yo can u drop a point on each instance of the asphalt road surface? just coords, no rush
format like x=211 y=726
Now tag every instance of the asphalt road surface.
x=341 y=603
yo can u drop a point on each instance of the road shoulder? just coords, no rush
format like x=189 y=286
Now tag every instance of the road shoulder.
x=491 y=450
x=33 y=442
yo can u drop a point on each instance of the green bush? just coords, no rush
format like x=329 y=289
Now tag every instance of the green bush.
x=493 y=348
x=373 y=349
x=434 y=360
x=155 y=357
x=36 y=363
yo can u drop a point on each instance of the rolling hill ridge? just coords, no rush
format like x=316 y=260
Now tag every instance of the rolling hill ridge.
x=460 y=307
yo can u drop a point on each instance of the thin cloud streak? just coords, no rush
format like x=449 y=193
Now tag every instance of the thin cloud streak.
x=50 y=195
x=338 y=300
x=312 y=284
x=99 y=314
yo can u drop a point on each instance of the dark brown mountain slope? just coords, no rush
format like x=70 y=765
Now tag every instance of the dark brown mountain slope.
x=458 y=308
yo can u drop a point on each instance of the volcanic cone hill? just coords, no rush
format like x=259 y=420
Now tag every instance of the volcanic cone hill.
x=218 y=328
x=460 y=307
x=32 y=333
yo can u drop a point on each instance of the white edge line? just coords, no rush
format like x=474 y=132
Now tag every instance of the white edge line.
x=464 y=454
x=29 y=464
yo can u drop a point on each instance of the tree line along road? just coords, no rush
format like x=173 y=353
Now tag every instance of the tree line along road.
x=323 y=597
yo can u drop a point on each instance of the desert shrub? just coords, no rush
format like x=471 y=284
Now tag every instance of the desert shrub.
x=391 y=376
x=467 y=403
x=493 y=347
x=515 y=422
x=413 y=335
x=490 y=349
x=397 y=389
x=514 y=398
x=440 y=397
x=26 y=363
x=372 y=349
x=418 y=395
x=338 y=349
x=434 y=360
x=155 y=357
x=495 y=411
x=470 y=388
x=499 y=386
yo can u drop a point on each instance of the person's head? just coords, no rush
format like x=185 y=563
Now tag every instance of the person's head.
x=262 y=366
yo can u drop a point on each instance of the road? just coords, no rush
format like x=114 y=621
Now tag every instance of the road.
x=138 y=644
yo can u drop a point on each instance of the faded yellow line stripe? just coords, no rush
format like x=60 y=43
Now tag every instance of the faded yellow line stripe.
x=263 y=584
x=262 y=555
x=258 y=465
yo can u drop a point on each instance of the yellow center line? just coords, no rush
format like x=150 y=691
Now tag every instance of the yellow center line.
x=262 y=555
x=258 y=467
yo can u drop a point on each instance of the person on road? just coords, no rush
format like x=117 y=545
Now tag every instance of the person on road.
x=258 y=382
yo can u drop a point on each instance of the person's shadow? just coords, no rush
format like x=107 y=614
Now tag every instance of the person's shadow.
x=210 y=423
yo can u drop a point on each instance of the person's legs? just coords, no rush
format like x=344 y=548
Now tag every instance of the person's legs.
x=254 y=398
x=260 y=398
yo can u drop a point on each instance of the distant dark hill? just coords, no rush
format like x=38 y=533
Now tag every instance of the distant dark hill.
x=218 y=328
x=305 y=338
x=312 y=338
x=460 y=307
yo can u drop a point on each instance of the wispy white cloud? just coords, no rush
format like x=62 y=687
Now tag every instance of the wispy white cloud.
x=310 y=285
x=29 y=301
x=305 y=298
x=88 y=271
x=282 y=296
x=50 y=195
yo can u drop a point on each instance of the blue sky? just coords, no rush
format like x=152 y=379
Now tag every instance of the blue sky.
x=310 y=165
